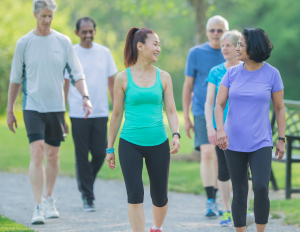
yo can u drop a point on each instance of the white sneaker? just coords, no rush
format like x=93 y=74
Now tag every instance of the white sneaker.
x=50 y=210
x=38 y=215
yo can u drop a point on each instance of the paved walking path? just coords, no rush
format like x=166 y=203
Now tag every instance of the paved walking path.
x=185 y=210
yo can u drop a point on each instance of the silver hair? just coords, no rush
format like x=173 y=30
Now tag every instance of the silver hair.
x=233 y=36
x=217 y=19
x=43 y=4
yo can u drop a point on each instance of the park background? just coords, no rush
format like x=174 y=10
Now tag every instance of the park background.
x=180 y=24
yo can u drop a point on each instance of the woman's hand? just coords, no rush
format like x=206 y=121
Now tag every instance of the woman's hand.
x=280 y=149
x=110 y=158
x=175 y=145
x=222 y=139
x=212 y=135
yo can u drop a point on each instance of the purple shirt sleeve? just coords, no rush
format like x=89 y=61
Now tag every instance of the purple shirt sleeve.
x=225 y=80
x=277 y=82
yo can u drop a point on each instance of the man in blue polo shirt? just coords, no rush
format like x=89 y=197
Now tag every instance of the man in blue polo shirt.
x=201 y=58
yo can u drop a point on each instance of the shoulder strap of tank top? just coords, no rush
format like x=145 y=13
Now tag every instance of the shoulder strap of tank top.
x=129 y=77
x=158 y=78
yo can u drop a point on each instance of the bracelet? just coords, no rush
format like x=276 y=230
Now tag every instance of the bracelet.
x=110 y=150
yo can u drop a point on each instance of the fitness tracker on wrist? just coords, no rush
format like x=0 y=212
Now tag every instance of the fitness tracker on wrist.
x=176 y=134
x=87 y=96
x=282 y=138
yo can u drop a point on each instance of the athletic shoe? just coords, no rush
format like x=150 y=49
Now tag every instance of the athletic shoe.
x=154 y=230
x=38 y=215
x=88 y=205
x=50 y=210
x=226 y=220
x=210 y=211
x=220 y=212
x=250 y=219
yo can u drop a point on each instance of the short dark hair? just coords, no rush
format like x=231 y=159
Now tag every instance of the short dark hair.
x=259 y=46
x=84 y=19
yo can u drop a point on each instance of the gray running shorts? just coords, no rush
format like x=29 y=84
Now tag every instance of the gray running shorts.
x=50 y=125
x=200 y=130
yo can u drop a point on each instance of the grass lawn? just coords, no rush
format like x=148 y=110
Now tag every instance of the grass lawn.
x=11 y=226
x=184 y=176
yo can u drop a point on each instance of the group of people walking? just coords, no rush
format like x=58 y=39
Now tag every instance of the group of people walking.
x=227 y=82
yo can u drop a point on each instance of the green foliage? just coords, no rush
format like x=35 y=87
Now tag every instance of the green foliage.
x=172 y=20
x=7 y=225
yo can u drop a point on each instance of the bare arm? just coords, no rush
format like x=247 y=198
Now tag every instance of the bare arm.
x=13 y=92
x=86 y=103
x=67 y=86
x=222 y=139
x=209 y=108
x=171 y=110
x=186 y=102
x=117 y=114
x=111 y=82
x=278 y=107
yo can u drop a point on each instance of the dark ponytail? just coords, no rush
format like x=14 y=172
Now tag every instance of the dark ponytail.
x=134 y=36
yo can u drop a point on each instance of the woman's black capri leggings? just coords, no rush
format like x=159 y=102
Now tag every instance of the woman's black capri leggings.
x=157 y=159
x=223 y=171
x=260 y=165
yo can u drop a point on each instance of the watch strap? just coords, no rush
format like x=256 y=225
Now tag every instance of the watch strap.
x=176 y=134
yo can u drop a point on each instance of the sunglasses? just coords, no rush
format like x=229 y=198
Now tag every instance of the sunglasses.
x=213 y=31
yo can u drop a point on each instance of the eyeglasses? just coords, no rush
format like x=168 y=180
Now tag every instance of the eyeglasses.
x=214 y=30
x=239 y=45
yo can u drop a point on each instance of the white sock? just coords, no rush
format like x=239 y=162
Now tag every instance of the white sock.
x=156 y=228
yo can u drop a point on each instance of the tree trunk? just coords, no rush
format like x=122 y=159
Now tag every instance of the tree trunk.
x=200 y=22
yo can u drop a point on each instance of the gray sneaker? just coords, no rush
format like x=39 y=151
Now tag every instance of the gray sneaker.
x=50 y=209
x=88 y=205
x=38 y=215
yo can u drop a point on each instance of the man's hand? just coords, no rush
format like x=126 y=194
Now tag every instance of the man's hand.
x=11 y=120
x=187 y=126
x=66 y=128
x=87 y=106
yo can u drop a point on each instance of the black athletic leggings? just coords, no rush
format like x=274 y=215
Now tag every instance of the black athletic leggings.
x=157 y=159
x=223 y=172
x=260 y=165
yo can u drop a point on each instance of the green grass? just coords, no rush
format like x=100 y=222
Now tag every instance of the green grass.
x=8 y=225
x=288 y=209
x=184 y=176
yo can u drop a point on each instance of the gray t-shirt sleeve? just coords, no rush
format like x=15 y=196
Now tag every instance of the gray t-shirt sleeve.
x=73 y=66
x=18 y=65
x=112 y=67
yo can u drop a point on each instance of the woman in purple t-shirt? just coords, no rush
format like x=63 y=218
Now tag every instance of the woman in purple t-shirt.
x=246 y=136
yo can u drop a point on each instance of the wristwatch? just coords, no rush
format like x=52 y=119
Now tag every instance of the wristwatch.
x=87 y=96
x=176 y=134
x=282 y=138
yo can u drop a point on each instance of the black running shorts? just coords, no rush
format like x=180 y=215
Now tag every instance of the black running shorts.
x=47 y=126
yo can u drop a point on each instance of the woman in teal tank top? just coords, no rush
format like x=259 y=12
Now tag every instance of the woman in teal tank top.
x=142 y=90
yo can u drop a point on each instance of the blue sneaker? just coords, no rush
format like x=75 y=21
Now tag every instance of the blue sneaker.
x=226 y=219
x=210 y=211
